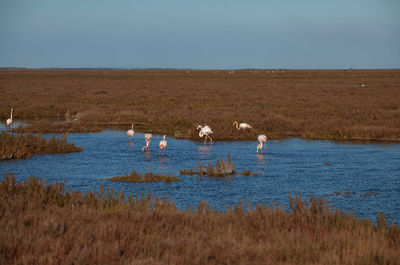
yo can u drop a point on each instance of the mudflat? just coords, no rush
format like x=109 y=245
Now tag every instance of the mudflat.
x=315 y=104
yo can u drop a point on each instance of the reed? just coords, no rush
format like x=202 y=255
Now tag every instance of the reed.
x=221 y=168
x=50 y=127
x=45 y=224
x=314 y=104
x=147 y=177
x=25 y=145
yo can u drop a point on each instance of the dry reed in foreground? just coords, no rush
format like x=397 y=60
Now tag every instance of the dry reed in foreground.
x=44 y=224
x=25 y=145
x=50 y=127
x=323 y=104
x=220 y=169
x=147 y=177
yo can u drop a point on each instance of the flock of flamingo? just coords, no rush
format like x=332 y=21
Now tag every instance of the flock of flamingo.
x=205 y=132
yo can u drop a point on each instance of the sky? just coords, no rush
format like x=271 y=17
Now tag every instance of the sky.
x=205 y=34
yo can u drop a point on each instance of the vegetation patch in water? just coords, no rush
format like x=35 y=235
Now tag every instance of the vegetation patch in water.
x=50 y=127
x=220 y=168
x=248 y=173
x=147 y=177
x=26 y=145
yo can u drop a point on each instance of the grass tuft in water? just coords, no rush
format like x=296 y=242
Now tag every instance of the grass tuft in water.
x=147 y=177
x=25 y=145
x=248 y=173
x=220 y=168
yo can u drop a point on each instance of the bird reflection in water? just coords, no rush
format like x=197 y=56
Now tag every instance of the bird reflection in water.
x=261 y=159
x=204 y=149
x=147 y=154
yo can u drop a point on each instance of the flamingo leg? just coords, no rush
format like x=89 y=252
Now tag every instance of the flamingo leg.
x=265 y=147
x=205 y=139
x=210 y=138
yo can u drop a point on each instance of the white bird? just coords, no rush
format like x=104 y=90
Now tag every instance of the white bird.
x=130 y=132
x=163 y=145
x=9 y=121
x=243 y=125
x=205 y=131
x=262 y=138
x=147 y=137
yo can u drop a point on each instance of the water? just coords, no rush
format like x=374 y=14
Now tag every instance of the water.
x=316 y=168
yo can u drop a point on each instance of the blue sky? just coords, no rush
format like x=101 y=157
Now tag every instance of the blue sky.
x=204 y=34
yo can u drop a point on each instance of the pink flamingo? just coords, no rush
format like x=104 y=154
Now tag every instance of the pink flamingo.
x=147 y=137
x=205 y=131
x=243 y=125
x=163 y=145
x=262 y=138
x=130 y=133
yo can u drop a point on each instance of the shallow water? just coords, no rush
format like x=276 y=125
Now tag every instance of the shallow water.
x=316 y=168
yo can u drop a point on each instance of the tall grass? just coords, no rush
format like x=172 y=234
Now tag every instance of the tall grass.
x=44 y=224
x=25 y=145
x=322 y=104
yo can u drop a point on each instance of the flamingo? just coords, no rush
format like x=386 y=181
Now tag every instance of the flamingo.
x=9 y=121
x=130 y=132
x=205 y=131
x=243 y=125
x=147 y=137
x=262 y=138
x=163 y=145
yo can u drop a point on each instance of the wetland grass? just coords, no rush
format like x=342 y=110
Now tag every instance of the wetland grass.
x=25 y=145
x=248 y=173
x=313 y=104
x=220 y=169
x=50 y=127
x=44 y=224
x=147 y=177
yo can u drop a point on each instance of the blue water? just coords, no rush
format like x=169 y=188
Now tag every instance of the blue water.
x=292 y=166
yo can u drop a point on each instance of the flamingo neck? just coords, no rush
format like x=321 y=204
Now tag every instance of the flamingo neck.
x=164 y=137
x=11 y=113
x=132 y=126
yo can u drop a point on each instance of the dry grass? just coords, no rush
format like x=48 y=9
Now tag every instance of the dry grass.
x=50 y=127
x=248 y=173
x=220 y=169
x=147 y=177
x=25 y=145
x=325 y=104
x=44 y=224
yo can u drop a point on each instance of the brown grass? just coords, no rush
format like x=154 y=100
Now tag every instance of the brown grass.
x=25 y=145
x=324 y=104
x=147 y=177
x=44 y=224
x=50 y=127
x=220 y=169
x=248 y=173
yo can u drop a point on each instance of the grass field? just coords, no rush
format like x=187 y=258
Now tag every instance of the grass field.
x=321 y=104
x=44 y=224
